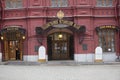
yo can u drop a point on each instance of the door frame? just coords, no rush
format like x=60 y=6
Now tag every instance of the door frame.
x=68 y=32
x=12 y=34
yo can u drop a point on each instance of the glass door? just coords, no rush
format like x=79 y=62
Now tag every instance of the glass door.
x=58 y=46
x=60 y=50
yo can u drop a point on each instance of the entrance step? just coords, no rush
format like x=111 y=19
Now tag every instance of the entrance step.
x=57 y=63
x=3 y=63
x=49 y=63
x=62 y=62
x=21 y=63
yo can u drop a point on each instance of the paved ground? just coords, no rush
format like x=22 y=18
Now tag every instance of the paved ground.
x=60 y=72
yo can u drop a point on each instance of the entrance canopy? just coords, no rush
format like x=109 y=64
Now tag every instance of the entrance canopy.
x=107 y=27
x=60 y=23
x=12 y=33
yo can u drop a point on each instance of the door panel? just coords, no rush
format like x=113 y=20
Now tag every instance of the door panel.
x=6 y=50
x=49 y=49
x=71 y=47
x=60 y=50
x=14 y=50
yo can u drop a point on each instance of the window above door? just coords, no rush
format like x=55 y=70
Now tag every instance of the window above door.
x=59 y=3
x=104 y=3
x=11 y=4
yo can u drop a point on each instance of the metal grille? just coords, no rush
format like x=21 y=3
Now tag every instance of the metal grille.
x=13 y=35
x=107 y=40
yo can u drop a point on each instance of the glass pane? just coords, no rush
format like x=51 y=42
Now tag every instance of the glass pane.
x=13 y=3
x=113 y=41
x=19 y=4
x=59 y=3
x=104 y=3
x=54 y=3
x=64 y=48
x=64 y=3
x=99 y=2
x=7 y=4
x=110 y=2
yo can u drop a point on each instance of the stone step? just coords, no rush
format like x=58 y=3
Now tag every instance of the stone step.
x=56 y=63
x=39 y=63
x=21 y=63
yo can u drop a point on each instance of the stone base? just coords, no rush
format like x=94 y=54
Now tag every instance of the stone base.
x=41 y=60
x=117 y=60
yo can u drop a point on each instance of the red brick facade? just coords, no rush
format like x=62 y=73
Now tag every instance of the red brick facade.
x=37 y=13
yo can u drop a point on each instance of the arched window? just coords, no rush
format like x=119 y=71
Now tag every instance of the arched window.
x=104 y=3
x=106 y=37
x=13 y=4
x=59 y=3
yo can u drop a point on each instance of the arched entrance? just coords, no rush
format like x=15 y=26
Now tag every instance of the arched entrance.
x=60 y=38
x=60 y=46
x=12 y=42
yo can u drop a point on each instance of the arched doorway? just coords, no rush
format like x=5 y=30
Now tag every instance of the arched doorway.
x=12 y=42
x=60 y=46
x=57 y=46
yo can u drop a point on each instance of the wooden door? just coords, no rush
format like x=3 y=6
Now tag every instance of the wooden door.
x=12 y=50
x=60 y=50
x=15 y=50
x=6 y=50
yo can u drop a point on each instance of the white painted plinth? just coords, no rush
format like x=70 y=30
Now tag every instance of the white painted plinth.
x=98 y=54
x=42 y=54
x=30 y=58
